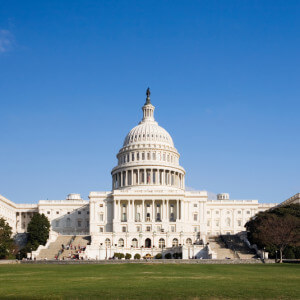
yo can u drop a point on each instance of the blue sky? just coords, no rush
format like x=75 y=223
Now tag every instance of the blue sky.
x=224 y=75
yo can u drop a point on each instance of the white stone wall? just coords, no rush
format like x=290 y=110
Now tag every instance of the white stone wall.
x=8 y=212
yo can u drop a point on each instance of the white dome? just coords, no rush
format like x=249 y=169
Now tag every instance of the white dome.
x=148 y=132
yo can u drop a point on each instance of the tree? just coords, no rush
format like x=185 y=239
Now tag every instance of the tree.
x=38 y=230
x=6 y=242
x=276 y=229
x=38 y=233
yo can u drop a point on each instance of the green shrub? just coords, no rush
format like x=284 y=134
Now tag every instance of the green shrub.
x=137 y=256
x=121 y=255
x=158 y=256
x=127 y=256
x=117 y=255
x=168 y=256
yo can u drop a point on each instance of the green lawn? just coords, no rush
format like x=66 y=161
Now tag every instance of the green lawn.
x=147 y=281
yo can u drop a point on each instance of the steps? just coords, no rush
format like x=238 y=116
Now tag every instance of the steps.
x=235 y=243
x=219 y=247
x=54 y=247
x=79 y=241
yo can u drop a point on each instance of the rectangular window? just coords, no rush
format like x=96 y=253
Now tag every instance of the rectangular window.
x=101 y=205
x=124 y=229
x=57 y=212
x=195 y=205
x=48 y=212
x=132 y=157
x=138 y=228
x=79 y=212
x=208 y=223
x=195 y=217
x=239 y=223
x=101 y=217
x=217 y=223
x=101 y=229
x=195 y=229
x=148 y=228
x=172 y=228
x=79 y=223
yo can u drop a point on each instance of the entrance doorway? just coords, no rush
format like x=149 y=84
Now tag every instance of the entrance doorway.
x=148 y=243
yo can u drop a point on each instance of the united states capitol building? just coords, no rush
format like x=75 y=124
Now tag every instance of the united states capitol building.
x=148 y=210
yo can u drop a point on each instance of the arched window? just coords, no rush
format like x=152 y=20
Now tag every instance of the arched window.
x=175 y=243
x=188 y=241
x=161 y=243
x=135 y=243
x=107 y=242
x=121 y=243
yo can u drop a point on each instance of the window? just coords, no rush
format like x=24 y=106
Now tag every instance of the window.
x=239 y=212
x=228 y=222
x=248 y=212
x=137 y=156
x=208 y=223
x=195 y=229
x=175 y=243
x=188 y=242
x=79 y=212
x=217 y=223
x=132 y=156
x=208 y=212
x=48 y=212
x=100 y=229
x=57 y=224
x=101 y=217
x=138 y=228
x=217 y=212
x=79 y=223
x=172 y=228
x=195 y=205
x=87 y=212
x=195 y=217
x=148 y=228
x=101 y=205
x=57 y=212
x=121 y=243
x=124 y=229
x=107 y=242
x=161 y=243
x=68 y=222
x=68 y=212
x=143 y=156
x=239 y=223
x=135 y=243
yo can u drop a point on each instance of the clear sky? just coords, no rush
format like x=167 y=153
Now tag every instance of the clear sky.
x=224 y=76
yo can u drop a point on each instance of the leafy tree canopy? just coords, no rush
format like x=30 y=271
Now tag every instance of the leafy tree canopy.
x=38 y=229
x=6 y=242
x=276 y=229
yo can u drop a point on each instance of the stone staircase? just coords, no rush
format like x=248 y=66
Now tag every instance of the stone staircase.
x=54 y=248
x=236 y=244
x=218 y=246
x=81 y=241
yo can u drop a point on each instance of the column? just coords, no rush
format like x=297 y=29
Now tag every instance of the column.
x=168 y=211
x=143 y=210
x=151 y=176
x=121 y=183
x=153 y=211
x=177 y=210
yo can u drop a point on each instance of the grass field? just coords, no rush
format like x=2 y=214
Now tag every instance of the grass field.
x=146 y=281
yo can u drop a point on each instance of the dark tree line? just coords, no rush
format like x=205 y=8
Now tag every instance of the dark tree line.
x=277 y=230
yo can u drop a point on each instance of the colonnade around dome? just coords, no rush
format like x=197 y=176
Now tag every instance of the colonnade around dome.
x=148 y=176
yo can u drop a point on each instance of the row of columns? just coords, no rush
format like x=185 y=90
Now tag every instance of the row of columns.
x=131 y=210
x=147 y=176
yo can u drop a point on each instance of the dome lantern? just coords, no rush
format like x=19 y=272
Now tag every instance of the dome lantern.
x=148 y=109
